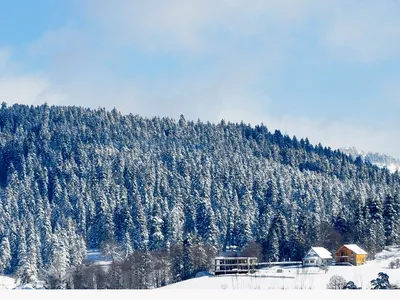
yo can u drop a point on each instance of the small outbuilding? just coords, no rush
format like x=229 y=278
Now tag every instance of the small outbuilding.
x=317 y=256
x=351 y=253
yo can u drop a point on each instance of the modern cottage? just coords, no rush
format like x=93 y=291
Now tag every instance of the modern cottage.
x=351 y=253
x=234 y=265
x=317 y=256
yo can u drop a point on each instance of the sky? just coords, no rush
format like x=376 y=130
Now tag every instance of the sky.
x=328 y=70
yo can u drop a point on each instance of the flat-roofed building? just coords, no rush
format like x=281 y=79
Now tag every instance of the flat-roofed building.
x=234 y=265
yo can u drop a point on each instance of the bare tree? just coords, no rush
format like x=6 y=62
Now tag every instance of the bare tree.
x=115 y=279
x=100 y=276
x=328 y=237
x=253 y=249
x=336 y=282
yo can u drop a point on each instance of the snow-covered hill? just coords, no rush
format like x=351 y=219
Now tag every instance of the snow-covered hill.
x=299 y=278
x=378 y=159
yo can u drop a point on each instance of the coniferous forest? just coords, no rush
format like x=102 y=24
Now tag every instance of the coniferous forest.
x=73 y=179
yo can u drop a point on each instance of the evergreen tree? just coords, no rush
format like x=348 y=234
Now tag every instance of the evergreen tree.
x=156 y=235
x=187 y=259
x=22 y=258
x=5 y=254
x=391 y=220
x=381 y=283
x=73 y=179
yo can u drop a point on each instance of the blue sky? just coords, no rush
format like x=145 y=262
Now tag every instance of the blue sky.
x=326 y=70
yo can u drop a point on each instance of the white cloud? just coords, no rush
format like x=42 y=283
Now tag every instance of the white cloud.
x=23 y=88
x=57 y=41
x=224 y=30
x=364 y=31
x=79 y=71
x=27 y=89
x=179 y=25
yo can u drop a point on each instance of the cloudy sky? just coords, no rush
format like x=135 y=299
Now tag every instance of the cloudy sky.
x=326 y=70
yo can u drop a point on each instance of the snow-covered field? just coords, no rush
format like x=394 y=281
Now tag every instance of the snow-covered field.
x=299 y=278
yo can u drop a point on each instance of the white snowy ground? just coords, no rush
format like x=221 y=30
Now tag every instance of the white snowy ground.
x=7 y=283
x=299 y=278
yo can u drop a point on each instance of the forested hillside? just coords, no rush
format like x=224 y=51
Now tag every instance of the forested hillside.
x=73 y=179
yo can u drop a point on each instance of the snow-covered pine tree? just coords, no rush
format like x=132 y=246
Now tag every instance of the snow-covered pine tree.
x=391 y=219
x=5 y=254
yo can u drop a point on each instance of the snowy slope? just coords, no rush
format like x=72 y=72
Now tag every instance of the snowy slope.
x=299 y=278
x=378 y=159
x=95 y=257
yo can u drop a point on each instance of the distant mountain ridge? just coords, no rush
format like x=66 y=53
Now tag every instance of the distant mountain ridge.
x=378 y=159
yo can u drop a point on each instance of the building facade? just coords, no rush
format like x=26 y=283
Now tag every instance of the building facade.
x=351 y=253
x=234 y=265
x=317 y=256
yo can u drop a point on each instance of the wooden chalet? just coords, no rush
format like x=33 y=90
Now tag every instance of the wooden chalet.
x=351 y=253
x=234 y=265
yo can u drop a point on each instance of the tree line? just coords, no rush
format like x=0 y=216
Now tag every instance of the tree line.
x=137 y=270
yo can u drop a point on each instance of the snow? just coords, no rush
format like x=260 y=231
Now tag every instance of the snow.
x=95 y=257
x=7 y=283
x=29 y=286
x=289 y=278
x=322 y=252
x=378 y=159
x=355 y=249
x=389 y=253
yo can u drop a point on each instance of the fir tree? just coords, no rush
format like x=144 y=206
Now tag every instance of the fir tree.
x=5 y=254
